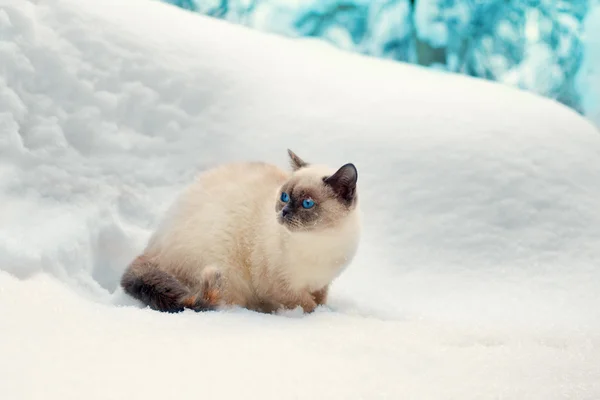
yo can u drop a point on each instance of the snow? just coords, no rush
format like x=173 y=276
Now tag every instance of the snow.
x=477 y=276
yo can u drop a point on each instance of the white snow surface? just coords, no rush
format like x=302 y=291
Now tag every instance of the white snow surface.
x=478 y=274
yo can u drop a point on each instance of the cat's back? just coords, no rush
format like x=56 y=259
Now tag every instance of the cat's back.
x=219 y=209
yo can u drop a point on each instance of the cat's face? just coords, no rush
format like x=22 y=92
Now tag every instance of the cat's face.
x=314 y=200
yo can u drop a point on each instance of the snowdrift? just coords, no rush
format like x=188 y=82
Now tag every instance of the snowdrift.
x=478 y=271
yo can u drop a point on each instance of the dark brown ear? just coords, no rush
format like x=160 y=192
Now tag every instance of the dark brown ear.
x=295 y=161
x=343 y=183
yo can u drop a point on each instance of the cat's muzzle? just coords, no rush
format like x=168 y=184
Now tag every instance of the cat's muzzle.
x=285 y=216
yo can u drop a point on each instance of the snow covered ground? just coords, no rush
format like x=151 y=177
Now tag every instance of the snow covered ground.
x=478 y=275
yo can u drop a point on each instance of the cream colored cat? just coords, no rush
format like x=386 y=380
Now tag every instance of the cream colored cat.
x=251 y=235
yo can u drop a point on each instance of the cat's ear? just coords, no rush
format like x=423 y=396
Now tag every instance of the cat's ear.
x=343 y=183
x=295 y=161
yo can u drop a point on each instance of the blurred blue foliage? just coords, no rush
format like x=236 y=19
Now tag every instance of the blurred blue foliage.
x=532 y=44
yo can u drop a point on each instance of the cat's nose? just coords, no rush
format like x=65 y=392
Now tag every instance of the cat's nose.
x=285 y=211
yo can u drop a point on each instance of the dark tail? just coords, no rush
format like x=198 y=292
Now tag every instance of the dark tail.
x=158 y=289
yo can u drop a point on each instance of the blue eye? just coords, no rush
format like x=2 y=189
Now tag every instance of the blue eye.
x=308 y=203
x=285 y=197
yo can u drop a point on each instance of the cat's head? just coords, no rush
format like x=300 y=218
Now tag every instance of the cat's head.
x=316 y=197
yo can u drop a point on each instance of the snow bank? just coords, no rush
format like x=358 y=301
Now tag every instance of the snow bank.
x=477 y=276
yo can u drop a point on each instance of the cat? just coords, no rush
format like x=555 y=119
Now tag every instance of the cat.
x=251 y=235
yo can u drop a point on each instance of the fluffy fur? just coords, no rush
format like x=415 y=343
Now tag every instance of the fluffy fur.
x=230 y=239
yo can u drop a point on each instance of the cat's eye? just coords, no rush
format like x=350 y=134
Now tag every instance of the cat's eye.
x=308 y=203
x=285 y=197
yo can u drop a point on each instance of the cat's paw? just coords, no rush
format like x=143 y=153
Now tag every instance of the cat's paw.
x=308 y=304
x=212 y=282
x=320 y=296
x=209 y=297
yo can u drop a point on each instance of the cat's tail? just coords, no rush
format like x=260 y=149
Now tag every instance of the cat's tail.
x=161 y=291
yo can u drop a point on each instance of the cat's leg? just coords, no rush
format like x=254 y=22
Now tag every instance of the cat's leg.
x=303 y=299
x=307 y=302
x=320 y=296
x=210 y=295
x=274 y=293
